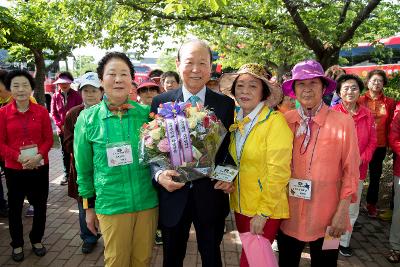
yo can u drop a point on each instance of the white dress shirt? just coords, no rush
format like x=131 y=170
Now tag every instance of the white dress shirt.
x=201 y=94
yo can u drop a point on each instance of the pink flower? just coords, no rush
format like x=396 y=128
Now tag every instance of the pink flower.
x=163 y=145
x=148 y=142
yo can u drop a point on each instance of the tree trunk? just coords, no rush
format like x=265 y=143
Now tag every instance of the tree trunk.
x=282 y=69
x=40 y=76
x=329 y=58
x=54 y=67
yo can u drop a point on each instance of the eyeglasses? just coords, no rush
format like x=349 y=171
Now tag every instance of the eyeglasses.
x=376 y=81
x=350 y=88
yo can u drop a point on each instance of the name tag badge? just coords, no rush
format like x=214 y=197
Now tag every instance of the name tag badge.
x=300 y=188
x=119 y=154
x=224 y=173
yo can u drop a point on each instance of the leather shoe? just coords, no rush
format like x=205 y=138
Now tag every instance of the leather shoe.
x=18 y=254
x=64 y=180
x=88 y=247
x=4 y=212
x=39 y=249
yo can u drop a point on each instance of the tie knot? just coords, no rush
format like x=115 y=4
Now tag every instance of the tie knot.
x=194 y=99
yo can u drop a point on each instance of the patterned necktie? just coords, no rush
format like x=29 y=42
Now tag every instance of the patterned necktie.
x=193 y=100
x=239 y=125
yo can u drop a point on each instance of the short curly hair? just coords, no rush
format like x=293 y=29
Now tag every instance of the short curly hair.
x=155 y=73
x=112 y=55
x=3 y=74
x=16 y=73
x=377 y=72
x=334 y=72
x=346 y=77
x=169 y=74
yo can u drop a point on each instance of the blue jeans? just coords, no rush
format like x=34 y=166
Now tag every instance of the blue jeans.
x=86 y=235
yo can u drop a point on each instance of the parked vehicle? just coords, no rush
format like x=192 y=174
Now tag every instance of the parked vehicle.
x=141 y=73
x=364 y=57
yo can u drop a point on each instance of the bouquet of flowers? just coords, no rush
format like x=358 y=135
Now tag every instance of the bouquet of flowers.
x=182 y=137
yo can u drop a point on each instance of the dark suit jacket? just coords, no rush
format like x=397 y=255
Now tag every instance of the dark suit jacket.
x=210 y=204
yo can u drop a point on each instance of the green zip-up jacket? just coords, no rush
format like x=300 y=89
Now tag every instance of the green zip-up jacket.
x=120 y=189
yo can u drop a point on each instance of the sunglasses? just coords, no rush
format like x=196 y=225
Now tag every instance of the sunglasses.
x=148 y=89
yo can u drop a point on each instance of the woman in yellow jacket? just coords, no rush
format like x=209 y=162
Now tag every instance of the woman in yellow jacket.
x=261 y=145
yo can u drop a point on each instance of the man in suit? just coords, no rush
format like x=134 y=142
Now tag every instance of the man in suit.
x=202 y=202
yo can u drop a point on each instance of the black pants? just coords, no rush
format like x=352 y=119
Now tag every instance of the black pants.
x=290 y=250
x=33 y=184
x=66 y=156
x=375 y=173
x=3 y=201
x=209 y=237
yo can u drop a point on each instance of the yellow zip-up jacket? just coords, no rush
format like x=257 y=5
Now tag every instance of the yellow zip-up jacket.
x=264 y=168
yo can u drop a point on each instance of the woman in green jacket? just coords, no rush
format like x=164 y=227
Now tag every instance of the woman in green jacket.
x=105 y=144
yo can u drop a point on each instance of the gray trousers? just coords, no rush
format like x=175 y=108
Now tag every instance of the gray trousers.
x=354 y=210
x=394 y=237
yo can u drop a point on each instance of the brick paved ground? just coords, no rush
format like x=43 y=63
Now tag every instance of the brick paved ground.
x=63 y=242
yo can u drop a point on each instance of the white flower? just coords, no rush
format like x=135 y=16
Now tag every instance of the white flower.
x=155 y=134
x=192 y=121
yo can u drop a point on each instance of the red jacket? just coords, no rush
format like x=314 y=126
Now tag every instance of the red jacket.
x=20 y=129
x=394 y=140
x=366 y=135
x=59 y=107
x=382 y=109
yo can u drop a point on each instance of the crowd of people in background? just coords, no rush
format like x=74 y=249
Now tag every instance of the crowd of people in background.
x=303 y=150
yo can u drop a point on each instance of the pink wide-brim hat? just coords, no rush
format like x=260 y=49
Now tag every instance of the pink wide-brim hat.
x=148 y=83
x=308 y=69
x=63 y=80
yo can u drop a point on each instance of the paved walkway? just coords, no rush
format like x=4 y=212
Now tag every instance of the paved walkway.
x=63 y=242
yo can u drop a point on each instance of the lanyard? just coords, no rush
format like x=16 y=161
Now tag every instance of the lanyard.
x=308 y=130
x=107 y=126
x=24 y=126
x=312 y=153
x=245 y=138
x=308 y=173
x=4 y=102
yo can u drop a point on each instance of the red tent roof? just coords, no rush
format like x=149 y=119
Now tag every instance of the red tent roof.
x=392 y=40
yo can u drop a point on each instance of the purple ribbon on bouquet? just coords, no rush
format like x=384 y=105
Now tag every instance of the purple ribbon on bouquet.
x=177 y=130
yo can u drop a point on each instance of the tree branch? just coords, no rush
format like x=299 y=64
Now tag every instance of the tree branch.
x=343 y=14
x=363 y=15
x=57 y=60
x=211 y=17
x=305 y=34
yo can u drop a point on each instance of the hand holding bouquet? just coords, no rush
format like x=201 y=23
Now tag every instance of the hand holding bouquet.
x=182 y=137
